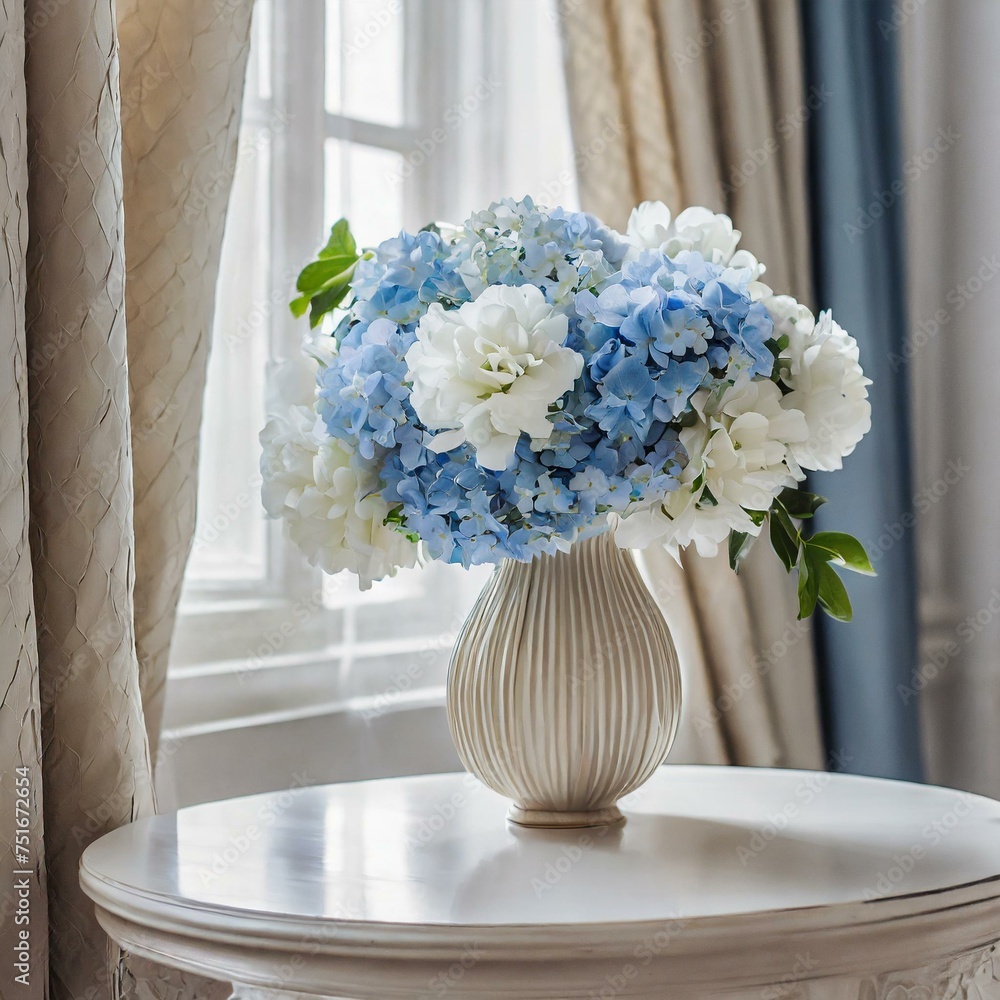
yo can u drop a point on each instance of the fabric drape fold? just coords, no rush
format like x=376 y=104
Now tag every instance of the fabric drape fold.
x=857 y=171
x=950 y=94
x=95 y=764
x=183 y=65
x=22 y=873
x=75 y=541
x=712 y=100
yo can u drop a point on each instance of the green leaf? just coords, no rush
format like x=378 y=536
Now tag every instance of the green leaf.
x=833 y=594
x=809 y=577
x=845 y=550
x=326 y=281
x=739 y=546
x=341 y=242
x=799 y=503
x=316 y=276
x=781 y=514
x=328 y=299
x=299 y=306
x=776 y=345
x=783 y=540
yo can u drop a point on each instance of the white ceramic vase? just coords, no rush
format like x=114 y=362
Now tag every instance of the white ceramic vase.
x=564 y=690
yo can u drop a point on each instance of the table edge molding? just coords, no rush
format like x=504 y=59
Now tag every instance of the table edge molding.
x=277 y=931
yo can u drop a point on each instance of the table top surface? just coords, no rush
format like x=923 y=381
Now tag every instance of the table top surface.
x=699 y=842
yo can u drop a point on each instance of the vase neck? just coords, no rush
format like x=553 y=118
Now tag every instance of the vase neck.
x=592 y=555
x=592 y=547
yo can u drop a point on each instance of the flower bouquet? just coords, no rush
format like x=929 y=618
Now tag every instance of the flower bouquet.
x=534 y=389
x=497 y=390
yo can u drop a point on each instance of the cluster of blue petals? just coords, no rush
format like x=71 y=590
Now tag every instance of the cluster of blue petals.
x=652 y=330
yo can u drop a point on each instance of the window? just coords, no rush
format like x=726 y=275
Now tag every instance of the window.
x=392 y=113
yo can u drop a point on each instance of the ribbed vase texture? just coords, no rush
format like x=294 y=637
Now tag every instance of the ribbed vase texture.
x=564 y=687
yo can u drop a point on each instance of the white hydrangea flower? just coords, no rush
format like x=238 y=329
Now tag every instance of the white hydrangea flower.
x=471 y=271
x=487 y=371
x=820 y=366
x=679 y=521
x=738 y=460
x=334 y=516
x=791 y=318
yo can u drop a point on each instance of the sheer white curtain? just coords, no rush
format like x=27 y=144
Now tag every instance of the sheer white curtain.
x=952 y=94
x=393 y=114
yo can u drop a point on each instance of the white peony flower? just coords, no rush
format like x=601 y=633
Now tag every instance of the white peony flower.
x=710 y=234
x=333 y=513
x=738 y=460
x=703 y=230
x=756 y=287
x=820 y=366
x=649 y=225
x=748 y=460
x=490 y=370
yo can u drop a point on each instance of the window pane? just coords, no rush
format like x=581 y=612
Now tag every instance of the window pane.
x=395 y=647
x=334 y=56
x=365 y=184
x=230 y=539
x=375 y=192
x=334 y=196
x=364 y=59
x=434 y=602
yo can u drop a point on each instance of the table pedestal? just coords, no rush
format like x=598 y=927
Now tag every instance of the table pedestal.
x=972 y=976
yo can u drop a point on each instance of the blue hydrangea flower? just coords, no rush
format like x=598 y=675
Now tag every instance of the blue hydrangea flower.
x=404 y=276
x=675 y=386
x=362 y=396
x=626 y=392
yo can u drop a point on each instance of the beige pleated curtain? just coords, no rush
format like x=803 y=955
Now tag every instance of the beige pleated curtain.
x=704 y=104
x=118 y=143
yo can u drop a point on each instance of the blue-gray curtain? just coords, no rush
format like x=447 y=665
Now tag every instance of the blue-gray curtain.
x=857 y=183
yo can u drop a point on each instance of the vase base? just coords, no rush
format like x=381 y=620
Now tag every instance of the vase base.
x=551 y=819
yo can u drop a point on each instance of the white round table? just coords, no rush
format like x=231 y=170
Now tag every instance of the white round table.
x=724 y=882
